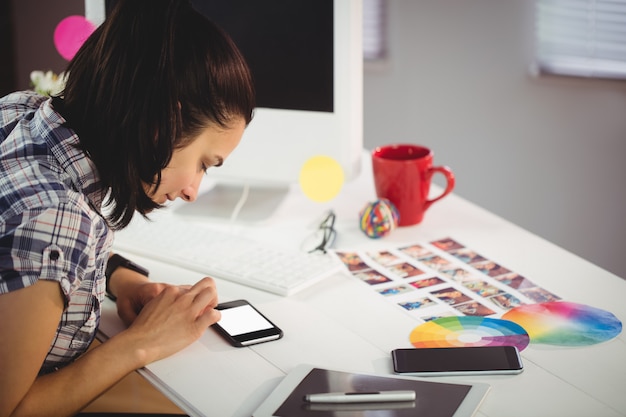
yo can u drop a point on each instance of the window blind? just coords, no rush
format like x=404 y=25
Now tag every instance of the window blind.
x=374 y=30
x=582 y=37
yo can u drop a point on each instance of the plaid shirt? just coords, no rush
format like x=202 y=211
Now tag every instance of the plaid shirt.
x=50 y=225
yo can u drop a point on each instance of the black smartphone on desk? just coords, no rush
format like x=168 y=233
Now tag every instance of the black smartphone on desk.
x=484 y=360
x=243 y=325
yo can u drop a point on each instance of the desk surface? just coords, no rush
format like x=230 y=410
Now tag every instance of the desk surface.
x=342 y=324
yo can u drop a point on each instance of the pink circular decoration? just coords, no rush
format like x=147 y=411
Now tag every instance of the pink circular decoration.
x=70 y=34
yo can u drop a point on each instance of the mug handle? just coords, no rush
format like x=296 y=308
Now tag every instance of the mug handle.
x=450 y=181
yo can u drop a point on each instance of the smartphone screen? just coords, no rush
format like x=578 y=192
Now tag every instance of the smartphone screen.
x=457 y=361
x=243 y=325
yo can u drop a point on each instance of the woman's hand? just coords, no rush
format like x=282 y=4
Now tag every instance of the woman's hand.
x=174 y=318
x=163 y=318
x=135 y=295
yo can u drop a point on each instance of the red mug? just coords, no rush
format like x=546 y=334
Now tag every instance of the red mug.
x=402 y=174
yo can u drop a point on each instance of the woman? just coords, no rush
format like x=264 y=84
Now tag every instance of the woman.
x=154 y=97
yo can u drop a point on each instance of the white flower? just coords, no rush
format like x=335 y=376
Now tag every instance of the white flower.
x=48 y=83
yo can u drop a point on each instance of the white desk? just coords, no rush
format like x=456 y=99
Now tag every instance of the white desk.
x=342 y=324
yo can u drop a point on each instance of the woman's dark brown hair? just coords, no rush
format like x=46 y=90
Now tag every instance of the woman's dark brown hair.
x=145 y=83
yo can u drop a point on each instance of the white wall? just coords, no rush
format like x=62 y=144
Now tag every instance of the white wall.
x=545 y=153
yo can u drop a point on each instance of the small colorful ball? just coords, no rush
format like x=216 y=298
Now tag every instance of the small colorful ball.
x=379 y=218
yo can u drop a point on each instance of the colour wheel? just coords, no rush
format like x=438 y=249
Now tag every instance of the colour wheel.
x=565 y=323
x=460 y=331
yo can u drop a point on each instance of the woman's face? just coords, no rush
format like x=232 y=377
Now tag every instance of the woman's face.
x=182 y=176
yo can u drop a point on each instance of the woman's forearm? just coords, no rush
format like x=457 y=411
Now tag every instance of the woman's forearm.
x=67 y=391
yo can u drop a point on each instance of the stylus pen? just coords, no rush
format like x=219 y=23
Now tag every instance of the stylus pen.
x=361 y=397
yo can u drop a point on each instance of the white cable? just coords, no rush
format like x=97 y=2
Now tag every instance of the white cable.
x=240 y=203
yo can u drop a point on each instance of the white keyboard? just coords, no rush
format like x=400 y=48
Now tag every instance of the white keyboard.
x=220 y=254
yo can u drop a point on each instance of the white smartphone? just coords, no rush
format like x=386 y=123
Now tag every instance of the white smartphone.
x=457 y=361
x=243 y=325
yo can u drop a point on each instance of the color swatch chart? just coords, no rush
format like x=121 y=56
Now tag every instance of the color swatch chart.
x=472 y=331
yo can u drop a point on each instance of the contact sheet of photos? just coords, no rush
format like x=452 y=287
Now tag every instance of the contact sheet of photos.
x=442 y=278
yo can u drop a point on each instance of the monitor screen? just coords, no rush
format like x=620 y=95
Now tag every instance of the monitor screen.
x=307 y=63
x=289 y=47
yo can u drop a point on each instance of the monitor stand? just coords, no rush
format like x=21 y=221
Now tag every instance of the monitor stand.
x=220 y=202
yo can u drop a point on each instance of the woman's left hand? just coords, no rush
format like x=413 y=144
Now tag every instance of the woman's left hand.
x=133 y=297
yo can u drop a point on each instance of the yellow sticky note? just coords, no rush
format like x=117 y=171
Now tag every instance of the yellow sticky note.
x=321 y=178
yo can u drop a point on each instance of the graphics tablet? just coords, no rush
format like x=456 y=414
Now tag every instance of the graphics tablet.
x=433 y=399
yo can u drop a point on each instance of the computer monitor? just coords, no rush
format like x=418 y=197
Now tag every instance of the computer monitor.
x=306 y=57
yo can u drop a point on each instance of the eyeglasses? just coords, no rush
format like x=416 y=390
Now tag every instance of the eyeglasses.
x=324 y=236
